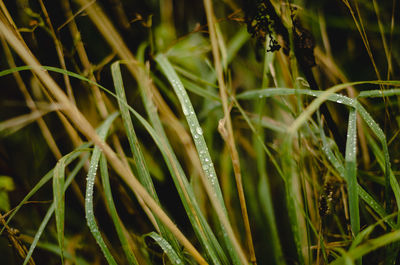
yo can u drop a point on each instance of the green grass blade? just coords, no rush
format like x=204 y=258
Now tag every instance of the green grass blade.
x=51 y=209
x=166 y=247
x=351 y=172
x=204 y=155
x=194 y=126
x=201 y=228
x=113 y=212
x=142 y=169
x=89 y=212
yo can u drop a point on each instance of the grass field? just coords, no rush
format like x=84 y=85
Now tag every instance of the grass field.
x=199 y=132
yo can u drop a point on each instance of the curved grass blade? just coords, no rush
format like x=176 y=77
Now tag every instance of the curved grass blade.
x=200 y=226
x=121 y=231
x=89 y=213
x=232 y=245
x=140 y=163
x=173 y=257
x=51 y=209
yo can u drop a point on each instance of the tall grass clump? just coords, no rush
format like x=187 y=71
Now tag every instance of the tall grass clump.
x=199 y=132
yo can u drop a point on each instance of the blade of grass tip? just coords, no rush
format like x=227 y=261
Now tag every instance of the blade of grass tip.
x=89 y=212
x=43 y=181
x=211 y=183
x=201 y=228
x=51 y=209
x=351 y=172
x=364 y=195
x=122 y=235
x=166 y=247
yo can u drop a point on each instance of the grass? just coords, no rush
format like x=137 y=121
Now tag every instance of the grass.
x=209 y=147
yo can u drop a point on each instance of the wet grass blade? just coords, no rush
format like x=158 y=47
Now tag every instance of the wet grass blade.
x=200 y=226
x=140 y=163
x=232 y=245
x=194 y=126
x=89 y=212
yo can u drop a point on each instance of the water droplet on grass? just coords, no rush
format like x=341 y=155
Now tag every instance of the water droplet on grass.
x=199 y=130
